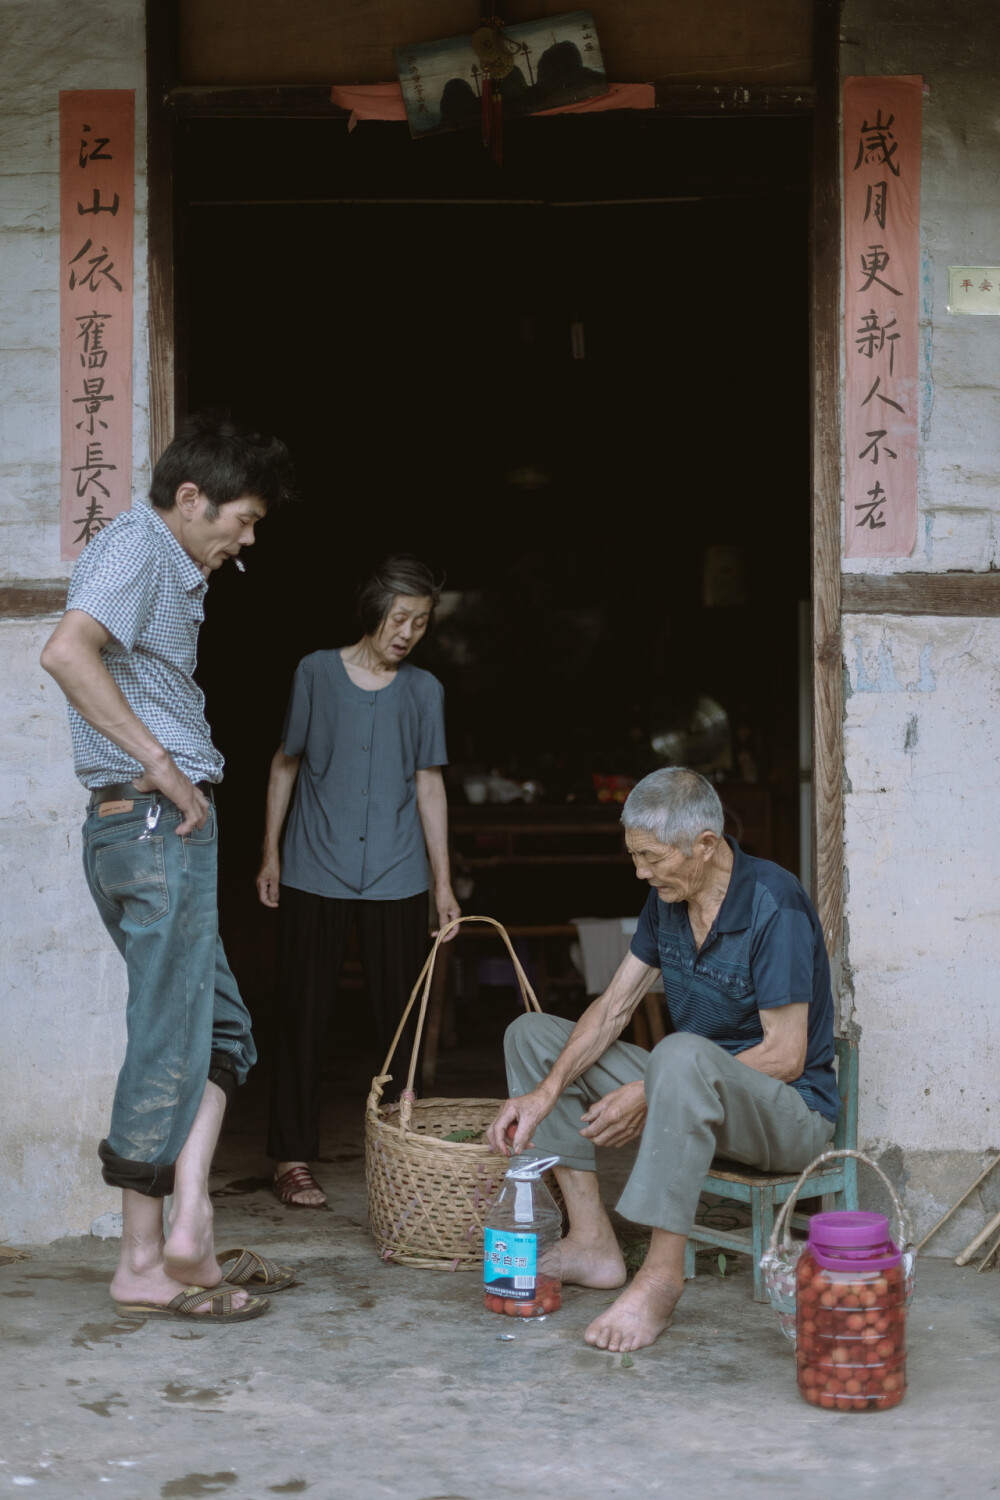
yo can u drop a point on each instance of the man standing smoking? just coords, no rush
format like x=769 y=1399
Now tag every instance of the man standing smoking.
x=124 y=654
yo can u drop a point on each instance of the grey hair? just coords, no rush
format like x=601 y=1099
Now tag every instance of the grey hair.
x=399 y=574
x=675 y=805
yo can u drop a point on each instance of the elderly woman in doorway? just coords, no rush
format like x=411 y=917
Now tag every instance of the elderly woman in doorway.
x=360 y=763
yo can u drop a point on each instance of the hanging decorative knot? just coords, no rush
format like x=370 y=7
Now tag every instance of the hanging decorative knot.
x=496 y=58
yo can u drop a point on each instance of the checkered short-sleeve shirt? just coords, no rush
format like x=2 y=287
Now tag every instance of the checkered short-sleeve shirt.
x=137 y=581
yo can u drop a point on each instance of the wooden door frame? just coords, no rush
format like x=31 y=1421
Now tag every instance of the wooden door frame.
x=168 y=101
x=162 y=66
x=824 y=342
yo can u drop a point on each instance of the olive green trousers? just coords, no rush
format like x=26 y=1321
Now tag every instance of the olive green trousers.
x=701 y=1103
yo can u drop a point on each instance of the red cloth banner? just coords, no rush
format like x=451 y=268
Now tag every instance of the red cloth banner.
x=384 y=101
x=97 y=211
x=881 y=292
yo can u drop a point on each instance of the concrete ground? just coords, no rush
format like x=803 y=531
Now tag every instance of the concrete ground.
x=368 y=1380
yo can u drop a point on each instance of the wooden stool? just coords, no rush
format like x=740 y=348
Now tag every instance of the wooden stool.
x=764 y=1191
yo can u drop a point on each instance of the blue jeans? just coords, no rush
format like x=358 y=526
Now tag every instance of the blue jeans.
x=185 y=1020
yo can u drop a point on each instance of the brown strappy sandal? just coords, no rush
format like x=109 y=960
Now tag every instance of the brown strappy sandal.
x=296 y=1180
x=220 y=1306
x=253 y=1270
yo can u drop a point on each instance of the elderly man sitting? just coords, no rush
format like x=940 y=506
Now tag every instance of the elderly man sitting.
x=746 y=1073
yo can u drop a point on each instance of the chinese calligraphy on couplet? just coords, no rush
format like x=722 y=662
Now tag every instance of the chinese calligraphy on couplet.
x=96 y=197
x=881 y=290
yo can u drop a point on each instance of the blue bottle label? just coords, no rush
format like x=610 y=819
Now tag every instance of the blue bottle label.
x=510 y=1264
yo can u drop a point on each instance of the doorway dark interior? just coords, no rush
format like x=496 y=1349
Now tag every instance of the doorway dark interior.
x=578 y=387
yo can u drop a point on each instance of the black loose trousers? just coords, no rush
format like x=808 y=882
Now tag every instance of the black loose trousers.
x=315 y=934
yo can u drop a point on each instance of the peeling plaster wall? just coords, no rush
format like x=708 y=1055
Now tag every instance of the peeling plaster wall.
x=922 y=716
x=62 y=986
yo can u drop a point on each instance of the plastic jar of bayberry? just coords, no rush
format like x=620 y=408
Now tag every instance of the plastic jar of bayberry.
x=521 y=1244
x=850 y=1314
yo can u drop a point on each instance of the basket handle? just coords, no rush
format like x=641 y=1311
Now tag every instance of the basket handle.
x=904 y=1229
x=425 y=979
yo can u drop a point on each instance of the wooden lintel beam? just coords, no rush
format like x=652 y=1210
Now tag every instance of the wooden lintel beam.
x=709 y=99
x=291 y=100
x=23 y=600
x=967 y=595
x=312 y=100
x=960 y=595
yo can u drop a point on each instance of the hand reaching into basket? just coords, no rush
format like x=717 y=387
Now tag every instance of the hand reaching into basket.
x=515 y=1125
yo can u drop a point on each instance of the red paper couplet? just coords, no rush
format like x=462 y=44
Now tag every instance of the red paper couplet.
x=97 y=210
x=881 y=291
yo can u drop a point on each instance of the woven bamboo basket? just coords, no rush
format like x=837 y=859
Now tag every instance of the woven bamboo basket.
x=427 y=1196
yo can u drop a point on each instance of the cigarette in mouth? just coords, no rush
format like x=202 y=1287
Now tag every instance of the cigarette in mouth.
x=239 y=564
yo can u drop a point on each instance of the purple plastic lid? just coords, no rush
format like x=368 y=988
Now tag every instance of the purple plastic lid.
x=852 y=1241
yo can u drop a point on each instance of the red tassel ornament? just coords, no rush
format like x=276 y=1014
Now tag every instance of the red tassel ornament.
x=496 y=59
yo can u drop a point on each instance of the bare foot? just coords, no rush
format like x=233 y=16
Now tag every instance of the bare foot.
x=597 y=1265
x=189 y=1252
x=638 y=1316
x=155 y=1285
x=309 y=1197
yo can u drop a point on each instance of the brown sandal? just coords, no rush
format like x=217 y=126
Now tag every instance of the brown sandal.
x=253 y=1270
x=296 y=1180
x=186 y=1303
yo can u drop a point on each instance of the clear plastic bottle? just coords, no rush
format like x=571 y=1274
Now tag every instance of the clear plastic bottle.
x=850 y=1314
x=521 y=1268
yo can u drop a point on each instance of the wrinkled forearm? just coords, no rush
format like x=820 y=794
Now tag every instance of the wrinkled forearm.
x=78 y=667
x=776 y=1059
x=601 y=1024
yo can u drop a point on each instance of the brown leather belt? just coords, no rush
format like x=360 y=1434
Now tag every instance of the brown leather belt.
x=125 y=791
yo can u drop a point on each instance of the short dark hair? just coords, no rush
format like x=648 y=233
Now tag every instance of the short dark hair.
x=225 y=460
x=399 y=574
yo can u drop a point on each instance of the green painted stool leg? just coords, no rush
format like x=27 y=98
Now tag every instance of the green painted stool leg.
x=762 y=1209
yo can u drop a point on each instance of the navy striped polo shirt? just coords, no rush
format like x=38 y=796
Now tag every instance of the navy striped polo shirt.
x=765 y=949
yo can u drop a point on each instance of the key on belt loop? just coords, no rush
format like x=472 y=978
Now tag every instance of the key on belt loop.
x=152 y=816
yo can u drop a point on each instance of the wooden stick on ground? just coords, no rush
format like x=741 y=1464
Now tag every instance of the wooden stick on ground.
x=989 y=1254
x=974 y=1245
x=958 y=1202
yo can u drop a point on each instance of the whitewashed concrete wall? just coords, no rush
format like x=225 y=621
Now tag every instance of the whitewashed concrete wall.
x=61 y=982
x=922 y=718
x=62 y=992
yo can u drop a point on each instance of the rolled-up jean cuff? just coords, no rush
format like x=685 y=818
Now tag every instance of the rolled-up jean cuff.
x=222 y=1072
x=152 y=1179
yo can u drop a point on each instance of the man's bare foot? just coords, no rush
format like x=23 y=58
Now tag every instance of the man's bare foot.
x=309 y=1194
x=638 y=1316
x=189 y=1252
x=155 y=1285
x=594 y=1265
